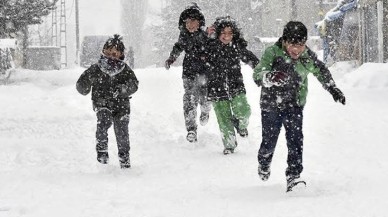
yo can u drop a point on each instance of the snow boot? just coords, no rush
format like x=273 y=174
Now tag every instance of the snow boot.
x=124 y=161
x=294 y=181
x=264 y=172
x=203 y=118
x=242 y=132
x=228 y=151
x=191 y=136
x=103 y=157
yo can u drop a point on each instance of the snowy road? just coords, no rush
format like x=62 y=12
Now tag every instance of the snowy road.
x=48 y=166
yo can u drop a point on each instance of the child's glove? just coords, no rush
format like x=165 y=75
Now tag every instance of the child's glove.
x=337 y=94
x=277 y=78
x=121 y=89
x=169 y=62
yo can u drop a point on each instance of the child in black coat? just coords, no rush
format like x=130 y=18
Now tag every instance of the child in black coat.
x=111 y=82
x=226 y=87
x=192 y=40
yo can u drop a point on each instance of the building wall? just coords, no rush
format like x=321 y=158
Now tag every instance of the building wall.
x=276 y=13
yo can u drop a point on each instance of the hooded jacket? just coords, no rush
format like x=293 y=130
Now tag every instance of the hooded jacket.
x=110 y=92
x=193 y=12
x=293 y=93
x=192 y=43
x=225 y=80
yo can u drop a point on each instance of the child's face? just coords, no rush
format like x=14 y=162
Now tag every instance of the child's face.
x=192 y=25
x=112 y=53
x=294 y=50
x=226 y=35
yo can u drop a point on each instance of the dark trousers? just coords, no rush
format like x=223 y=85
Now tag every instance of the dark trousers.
x=272 y=121
x=104 y=122
x=195 y=93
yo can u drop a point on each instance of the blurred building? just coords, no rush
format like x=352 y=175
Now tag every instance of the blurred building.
x=272 y=15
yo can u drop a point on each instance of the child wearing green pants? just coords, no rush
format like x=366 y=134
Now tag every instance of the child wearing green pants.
x=226 y=87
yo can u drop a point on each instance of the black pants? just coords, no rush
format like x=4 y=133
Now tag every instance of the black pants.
x=195 y=93
x=292 y=120
x=104 y=122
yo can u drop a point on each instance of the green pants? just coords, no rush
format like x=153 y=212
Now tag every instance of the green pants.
x=226 y=110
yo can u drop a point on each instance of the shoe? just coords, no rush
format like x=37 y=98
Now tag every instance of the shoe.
x=264 y=172
x=103 y=157
x=241 y=132
x=203 y=118
x=125 y=165
x=191 y=136
x=124 y=161
x=293 y=181
x=228 y=151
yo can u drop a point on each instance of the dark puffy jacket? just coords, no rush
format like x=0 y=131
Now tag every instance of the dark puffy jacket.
x=192 y=43
x=194 y=46
x=225 y=80
x=111 y=92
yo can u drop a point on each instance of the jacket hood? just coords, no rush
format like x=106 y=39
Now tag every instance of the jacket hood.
x=222 y=22
x=193 y=12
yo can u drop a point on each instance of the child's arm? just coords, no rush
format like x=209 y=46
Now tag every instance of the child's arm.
x=246 y=55
x=249 y=58
x=176 y=51
x=325 y=78
x=264 y=66
x=130 y=86
x=84 y=83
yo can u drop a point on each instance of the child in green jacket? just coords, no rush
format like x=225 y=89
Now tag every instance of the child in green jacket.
x=282 y=75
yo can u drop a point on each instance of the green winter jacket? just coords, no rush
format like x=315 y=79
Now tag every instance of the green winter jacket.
x=293 y=93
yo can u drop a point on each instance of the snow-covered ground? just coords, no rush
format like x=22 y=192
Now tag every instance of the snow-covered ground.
x=48 y=165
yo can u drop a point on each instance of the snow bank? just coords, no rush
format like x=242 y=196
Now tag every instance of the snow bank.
x=369 y=75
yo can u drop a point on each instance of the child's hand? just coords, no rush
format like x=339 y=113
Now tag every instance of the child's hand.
x=210 y=30
x=337 y=94
x=169 y=62
x=277 y=78
x=120 y=90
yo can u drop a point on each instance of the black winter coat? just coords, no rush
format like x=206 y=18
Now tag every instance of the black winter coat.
x=111 y=92
x=194 y=46
x=225 y=80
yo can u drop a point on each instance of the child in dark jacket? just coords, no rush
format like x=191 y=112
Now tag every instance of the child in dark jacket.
x=112 y=82
x=226 y=87
x=282 y=75
x=192 y=40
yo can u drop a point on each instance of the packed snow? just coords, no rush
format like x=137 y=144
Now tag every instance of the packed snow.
x=49 y=168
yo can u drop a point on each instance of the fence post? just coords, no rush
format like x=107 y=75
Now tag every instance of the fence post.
x=380 y=31
x=361 y=35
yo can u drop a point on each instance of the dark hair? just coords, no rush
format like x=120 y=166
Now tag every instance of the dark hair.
x=192 y=12
x=223 y=22
x=295 y=32
x=115 y=42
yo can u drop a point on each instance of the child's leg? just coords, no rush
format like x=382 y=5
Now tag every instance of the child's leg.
x=202 y=93
x=122 y=137
x=271 y=124
x=241 y=110
x=104 y=121
x=224 y=118
x=293 y=124
x=190 y=102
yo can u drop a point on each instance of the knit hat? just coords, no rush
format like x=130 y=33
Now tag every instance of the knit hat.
x=295 y=32
x=115 y=42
